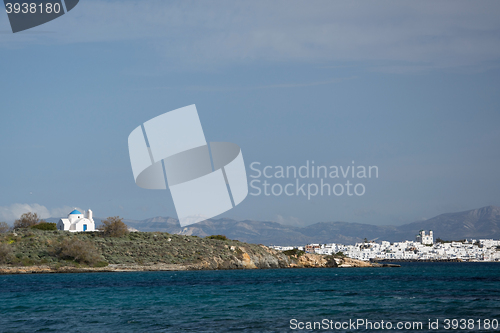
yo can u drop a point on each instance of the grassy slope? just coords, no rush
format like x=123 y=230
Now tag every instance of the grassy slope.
x=37 y=247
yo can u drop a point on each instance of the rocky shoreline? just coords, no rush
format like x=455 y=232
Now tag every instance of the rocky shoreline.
x=304 y=261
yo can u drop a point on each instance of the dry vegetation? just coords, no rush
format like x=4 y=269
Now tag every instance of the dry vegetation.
x=6 y=253
x=82 y=252
x=27 y=220
x=4 y=227
x=114 y=227
x=115 y=245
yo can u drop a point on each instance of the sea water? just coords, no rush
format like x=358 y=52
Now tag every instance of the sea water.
x=275 y=300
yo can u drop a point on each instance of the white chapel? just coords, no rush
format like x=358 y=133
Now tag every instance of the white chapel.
x=77 y=221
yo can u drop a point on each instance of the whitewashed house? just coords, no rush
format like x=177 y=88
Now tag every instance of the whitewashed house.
x=77 y=221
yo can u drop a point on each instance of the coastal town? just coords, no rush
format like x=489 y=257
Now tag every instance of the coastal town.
x=424 y=248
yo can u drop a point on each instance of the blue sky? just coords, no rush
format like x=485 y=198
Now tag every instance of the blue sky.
x=410 y=87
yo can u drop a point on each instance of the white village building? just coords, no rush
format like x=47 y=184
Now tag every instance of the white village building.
x=425 y=239
x=77 y=221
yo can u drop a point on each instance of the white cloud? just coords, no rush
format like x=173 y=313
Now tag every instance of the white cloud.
x=14 y=211
x=290 y=221
x=391 y=36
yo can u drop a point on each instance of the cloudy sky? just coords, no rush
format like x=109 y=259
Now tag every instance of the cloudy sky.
x=411 y=87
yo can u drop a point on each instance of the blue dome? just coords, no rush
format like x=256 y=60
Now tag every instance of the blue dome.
x=75 y=212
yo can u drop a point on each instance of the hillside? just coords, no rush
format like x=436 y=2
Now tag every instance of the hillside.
x=31 y=250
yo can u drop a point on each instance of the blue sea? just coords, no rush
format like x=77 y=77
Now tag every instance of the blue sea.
x=276 y=300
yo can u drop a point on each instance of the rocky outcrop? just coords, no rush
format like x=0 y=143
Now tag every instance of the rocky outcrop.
x=310 y=260
x=246 y=257
x=348 y=262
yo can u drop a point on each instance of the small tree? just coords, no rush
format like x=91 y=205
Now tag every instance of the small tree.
x=219 y=237
x=27 y=220
x=114 y=227
x=4 y=227
x=339 y=254
x=294 y=252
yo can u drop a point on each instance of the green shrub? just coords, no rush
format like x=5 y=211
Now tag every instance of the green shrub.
x=45 y=226
x=294 y=252
x=101 y=264
x=339 y=254
x=27 y=262
x=219 y=237
x=80 y=251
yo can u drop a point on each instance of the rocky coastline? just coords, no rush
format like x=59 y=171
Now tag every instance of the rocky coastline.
x=273 y=261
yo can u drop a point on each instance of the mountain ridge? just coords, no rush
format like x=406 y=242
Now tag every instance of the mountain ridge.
x=475 y=223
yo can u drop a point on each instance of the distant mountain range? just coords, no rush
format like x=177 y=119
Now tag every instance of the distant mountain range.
x=477 y=223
